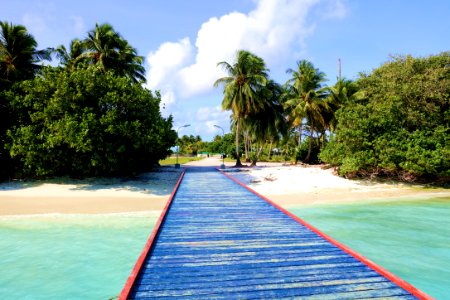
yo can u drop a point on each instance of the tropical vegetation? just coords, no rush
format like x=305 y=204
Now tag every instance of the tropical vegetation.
x=88 y=116
x=254 y=102
x=391 y=122
x=399 y=125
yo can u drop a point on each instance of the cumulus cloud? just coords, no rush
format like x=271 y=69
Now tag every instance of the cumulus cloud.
x=275 y=30
x=167 y=100
x=211 y=116
x=272 y=30
x=166 y=61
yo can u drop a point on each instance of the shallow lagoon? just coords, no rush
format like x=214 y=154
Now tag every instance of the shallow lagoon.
x=91 y=256
x=70 y=256
x=410 y=238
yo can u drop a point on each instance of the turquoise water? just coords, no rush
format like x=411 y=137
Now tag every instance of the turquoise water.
x=90 y=257
x=409 y=238
x=69 y=256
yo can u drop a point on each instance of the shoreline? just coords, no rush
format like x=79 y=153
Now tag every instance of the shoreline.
x=79 y=205
x=306 y=186
x=298 y=200
x=288 y=186
x=147 y=192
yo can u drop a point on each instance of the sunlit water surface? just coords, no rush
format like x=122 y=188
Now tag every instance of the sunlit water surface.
x=409 y=238
x=91 y=256
x=69 y=256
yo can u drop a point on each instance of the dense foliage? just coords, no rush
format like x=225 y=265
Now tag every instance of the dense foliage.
x=401 y=126
x=87 y=122
x=191 y=145
x=88 y=117
x=19 y=58
x=393 y=122
x=254 y=101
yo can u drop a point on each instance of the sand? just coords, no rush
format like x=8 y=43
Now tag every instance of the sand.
x=286 y=185
x=299 y=185
x=146 y=193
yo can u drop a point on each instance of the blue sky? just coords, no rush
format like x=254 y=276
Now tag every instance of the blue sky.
x=183 y=40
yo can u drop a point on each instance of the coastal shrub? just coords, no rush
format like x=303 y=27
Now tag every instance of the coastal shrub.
x=5 y=122
x=87 y=123
x=302 y=152
x=401 y=127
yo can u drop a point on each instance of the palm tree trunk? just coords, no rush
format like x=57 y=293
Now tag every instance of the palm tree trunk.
x=311 y=128
x=246 y=140
x=300 y=129
x=258 y=154
x=238 y=159
x=270 y=149
x=260 y=150
x=249 y=148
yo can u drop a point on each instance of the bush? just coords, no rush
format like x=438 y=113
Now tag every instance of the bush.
x=87 y=123
x=302 y=152
x=401 y=127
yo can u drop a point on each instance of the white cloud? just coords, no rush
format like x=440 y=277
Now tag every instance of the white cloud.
x=167 y=100
x=166 y=61
x=211 y=116
x=274 y=30
x=211 y=113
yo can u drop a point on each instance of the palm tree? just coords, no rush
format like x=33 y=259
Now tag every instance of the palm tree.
x=69 y=58
x=341 y=93
x=268 y=124
x=107 y=49
x=241 y=88
x=19 y=57
x=305 y=98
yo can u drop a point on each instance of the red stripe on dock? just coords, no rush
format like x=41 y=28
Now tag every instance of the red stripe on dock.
x=138 y=266
x=395 y=279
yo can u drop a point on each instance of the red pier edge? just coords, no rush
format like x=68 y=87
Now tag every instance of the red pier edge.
x=124 y=294
x=385 y=273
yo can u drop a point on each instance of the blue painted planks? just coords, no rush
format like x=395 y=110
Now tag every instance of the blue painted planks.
x=220 y=241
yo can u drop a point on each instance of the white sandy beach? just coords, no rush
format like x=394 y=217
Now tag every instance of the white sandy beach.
x=148 y=193
x=294 y=185
x=286 y=185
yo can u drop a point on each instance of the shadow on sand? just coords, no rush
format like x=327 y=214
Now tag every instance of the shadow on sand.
x=157 y=182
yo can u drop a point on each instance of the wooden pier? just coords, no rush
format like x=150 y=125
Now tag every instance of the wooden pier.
x=217 y=239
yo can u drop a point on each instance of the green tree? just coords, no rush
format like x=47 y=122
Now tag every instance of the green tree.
x=343 y=92
x=268 y=124
x=87 y=123
x=401 y=125
x=68 y=57
x=191 y=144
x=107 y=49
x=304 y=99
x=241 y=88
x=19 y=58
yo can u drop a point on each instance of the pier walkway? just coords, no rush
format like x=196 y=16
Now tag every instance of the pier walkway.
x=219 y=240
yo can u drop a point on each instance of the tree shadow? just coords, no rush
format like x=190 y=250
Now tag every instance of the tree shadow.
x=160 y=181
